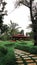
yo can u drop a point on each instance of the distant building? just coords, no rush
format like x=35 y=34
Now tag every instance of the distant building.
x=20 y=37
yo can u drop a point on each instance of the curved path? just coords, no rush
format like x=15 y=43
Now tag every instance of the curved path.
x=25 y=58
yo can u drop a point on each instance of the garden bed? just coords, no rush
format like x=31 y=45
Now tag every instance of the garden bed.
x=29 y=47
x=7 y=56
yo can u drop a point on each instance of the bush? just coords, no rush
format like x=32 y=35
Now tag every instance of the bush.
x=5 y=37
x=9 y=45
x=31 y=49
x=9 y=58
x=3 y=50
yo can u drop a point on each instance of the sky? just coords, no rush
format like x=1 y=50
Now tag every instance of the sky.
x=20 y=15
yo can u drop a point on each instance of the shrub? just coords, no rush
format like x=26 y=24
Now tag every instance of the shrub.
x=10 y=44
x=5 y=37
x=9 y=58
x=31 y=49
x=3 y=50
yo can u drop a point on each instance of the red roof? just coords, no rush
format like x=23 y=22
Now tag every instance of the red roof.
x=20 y=35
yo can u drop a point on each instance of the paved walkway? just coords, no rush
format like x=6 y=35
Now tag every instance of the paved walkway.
x=25 y=58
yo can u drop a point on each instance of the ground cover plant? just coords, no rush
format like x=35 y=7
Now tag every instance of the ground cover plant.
x=26 y=46
x=7 y=56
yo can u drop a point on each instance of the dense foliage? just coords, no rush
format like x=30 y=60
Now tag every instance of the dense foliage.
x=2 y=12
x=7 y=56
x=27 y=46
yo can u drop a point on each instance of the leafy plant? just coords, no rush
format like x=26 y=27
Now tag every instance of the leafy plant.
x=3 y=50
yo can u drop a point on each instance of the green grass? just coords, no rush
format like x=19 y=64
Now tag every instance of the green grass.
x=26 y=46
x=25 y=43
x=6 y=42
x=7 y=57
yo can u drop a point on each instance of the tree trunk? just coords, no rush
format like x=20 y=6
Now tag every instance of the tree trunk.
x=35 y=32
x=34 y=23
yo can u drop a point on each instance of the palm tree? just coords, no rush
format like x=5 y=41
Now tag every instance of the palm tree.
x=14 y=28
x=33 y=12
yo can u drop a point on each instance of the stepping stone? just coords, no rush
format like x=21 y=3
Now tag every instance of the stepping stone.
x=31 y=55
x=18 y=57
x=19 y=61
x=25 y=56
x=27 y=53
x=36 y=60
x=21 y=54
x=31 y=64
x=34 y=57
x=29 y=60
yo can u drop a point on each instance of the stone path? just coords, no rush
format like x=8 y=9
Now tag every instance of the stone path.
x=25 y=58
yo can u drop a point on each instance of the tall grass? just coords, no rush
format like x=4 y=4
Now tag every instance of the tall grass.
x=9 y=57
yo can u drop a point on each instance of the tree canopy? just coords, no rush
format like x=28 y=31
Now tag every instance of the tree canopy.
x=2 y=11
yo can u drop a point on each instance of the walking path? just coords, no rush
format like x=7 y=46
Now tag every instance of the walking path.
x=25 y=58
